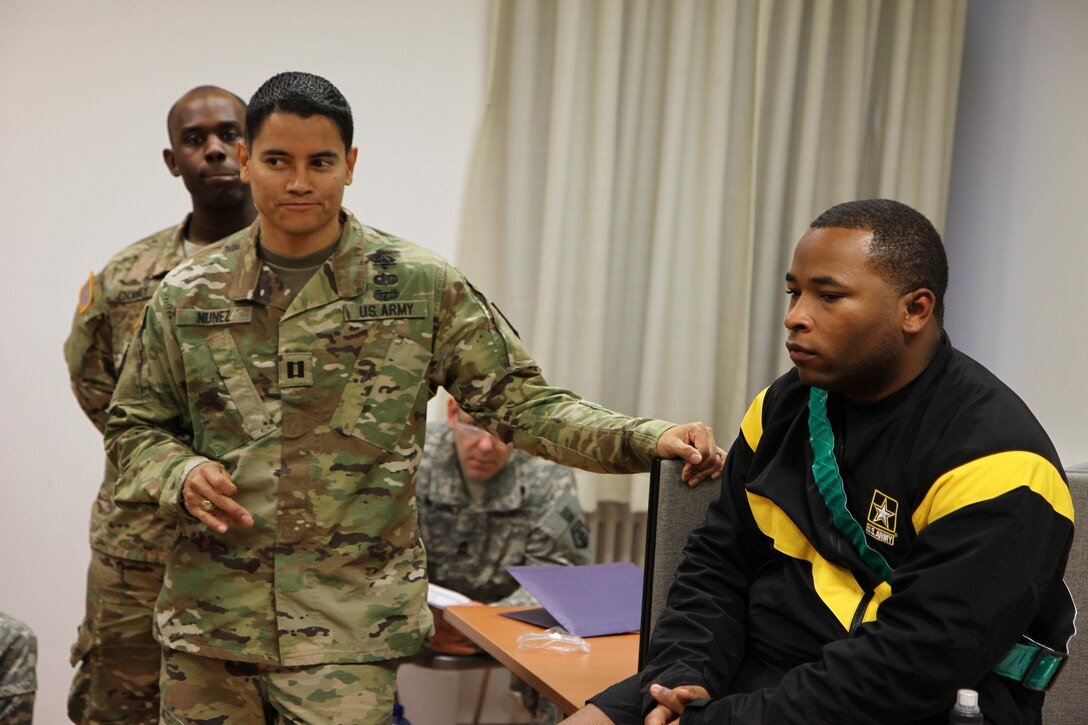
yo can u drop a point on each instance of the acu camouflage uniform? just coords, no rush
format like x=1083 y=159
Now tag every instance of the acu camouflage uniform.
x=316 y=404
x=529 y=515
x=18 y=678
x=116 y=652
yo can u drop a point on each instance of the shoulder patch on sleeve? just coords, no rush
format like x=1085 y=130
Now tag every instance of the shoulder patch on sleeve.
x=580 y=533
x=86 y=294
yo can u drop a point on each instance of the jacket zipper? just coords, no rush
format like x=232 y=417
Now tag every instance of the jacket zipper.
x=859 y=613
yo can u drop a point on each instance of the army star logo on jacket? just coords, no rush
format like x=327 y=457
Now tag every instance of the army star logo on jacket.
x=882 y=516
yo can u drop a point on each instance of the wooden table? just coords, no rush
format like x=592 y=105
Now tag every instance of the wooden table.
x=565 y=678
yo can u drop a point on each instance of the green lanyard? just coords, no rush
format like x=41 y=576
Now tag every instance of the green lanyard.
x=825 y=470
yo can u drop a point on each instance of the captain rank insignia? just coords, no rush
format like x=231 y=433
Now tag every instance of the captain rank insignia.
x=296 y=369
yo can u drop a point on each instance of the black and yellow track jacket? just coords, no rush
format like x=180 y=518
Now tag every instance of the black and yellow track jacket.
x=959 y=488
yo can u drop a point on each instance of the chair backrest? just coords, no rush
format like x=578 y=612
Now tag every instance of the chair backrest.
x=1067 y=702
x=675 y=508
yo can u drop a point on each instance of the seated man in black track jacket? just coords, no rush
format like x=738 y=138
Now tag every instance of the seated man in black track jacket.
x=894 y=524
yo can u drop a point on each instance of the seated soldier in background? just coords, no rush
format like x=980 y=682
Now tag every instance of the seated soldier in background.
x=484 y=506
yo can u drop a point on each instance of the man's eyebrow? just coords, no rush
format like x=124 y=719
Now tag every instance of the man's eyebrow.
x=316 y=155
x=820 y=279
x=200 y=127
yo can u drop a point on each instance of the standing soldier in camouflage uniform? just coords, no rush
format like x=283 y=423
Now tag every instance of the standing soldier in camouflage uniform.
x=118 y=658
x=18 y=674
x=484 y=506
x=273 y=404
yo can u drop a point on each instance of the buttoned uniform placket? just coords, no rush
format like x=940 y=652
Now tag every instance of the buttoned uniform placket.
x=480 y=525
x=296 y=377
x=309 y=386
x=478 y=518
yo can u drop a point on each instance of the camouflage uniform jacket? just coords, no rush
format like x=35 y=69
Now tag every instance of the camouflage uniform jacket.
x=529 y=515
x=109 y=308
x=316 y=406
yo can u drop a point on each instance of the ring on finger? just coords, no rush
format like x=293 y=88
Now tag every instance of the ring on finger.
x=207 y=505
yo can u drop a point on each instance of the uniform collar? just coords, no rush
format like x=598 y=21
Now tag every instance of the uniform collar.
x=347 y=263
x=172 y=254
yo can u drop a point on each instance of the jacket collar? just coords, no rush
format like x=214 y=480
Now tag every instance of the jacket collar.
x=171 y=254
x=343 y=274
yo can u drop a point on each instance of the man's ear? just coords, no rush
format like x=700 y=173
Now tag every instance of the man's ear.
x=919 y=306
x=350 y=159
x=451 y=410
x=243 y=162
x=171 y=162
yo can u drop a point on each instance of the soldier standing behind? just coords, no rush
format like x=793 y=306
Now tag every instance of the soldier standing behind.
x=118 y=659
x=484 y=506
x=273 y=404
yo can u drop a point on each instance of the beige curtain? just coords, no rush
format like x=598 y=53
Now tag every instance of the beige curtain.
x=644 y=168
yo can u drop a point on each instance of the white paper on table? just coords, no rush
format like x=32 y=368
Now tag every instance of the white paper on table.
x=440 y=597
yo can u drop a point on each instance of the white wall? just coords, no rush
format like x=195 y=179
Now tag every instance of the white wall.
x=1016 y=231
x=85 y=88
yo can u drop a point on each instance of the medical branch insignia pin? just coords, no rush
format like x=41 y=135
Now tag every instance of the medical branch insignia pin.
x=882 y=516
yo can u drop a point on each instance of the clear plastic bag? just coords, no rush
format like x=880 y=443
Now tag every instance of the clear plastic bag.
x=555 y=639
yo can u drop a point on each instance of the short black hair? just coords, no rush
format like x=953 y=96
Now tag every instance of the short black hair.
x=905 y=245
x=300 y=94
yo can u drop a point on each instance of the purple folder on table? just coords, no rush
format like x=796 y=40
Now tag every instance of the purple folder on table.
x=588 y=601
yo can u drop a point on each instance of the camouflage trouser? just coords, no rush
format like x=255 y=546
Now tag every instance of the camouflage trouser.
x=203 y=690
x=18 y=683
x=117 y=656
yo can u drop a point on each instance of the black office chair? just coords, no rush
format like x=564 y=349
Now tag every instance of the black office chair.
x=675 y=508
